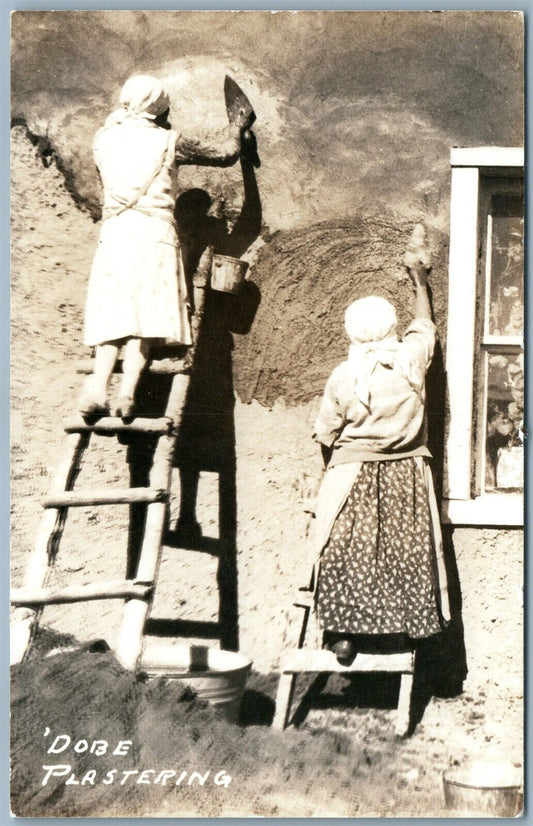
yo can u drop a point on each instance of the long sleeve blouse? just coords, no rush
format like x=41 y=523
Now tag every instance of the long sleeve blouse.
x=393 y=425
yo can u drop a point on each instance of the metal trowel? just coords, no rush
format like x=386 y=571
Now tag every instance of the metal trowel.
x=240 y=111
x=238 y=106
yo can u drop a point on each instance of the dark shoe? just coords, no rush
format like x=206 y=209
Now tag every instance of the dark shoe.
x=345 y=651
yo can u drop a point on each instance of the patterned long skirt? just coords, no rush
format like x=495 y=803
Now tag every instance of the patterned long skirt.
x=377 y=571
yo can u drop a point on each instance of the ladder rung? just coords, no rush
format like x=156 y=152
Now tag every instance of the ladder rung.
x=304 y=599
x=116 y=589
x=118 y=496
x=161 y=366
x=169 y=366
x=86 y=366
x=114 y=424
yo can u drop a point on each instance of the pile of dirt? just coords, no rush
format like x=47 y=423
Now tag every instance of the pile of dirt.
x=89 y=738
x=73 y=698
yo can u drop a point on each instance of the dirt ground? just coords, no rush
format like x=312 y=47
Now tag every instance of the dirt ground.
x=343 y=759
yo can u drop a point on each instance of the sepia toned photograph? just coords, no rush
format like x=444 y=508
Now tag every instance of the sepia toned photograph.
x=267 y=414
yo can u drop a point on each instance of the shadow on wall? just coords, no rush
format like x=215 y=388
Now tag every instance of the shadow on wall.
x=441 y=664
x=436 y=403
x=206 y=439
x=207 y=436
x=441 y=660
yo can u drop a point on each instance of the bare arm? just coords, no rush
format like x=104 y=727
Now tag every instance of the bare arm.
x=419 y=276
x=420 y=337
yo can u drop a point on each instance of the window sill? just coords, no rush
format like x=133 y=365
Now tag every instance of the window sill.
x=488 y=156
x=491 y=509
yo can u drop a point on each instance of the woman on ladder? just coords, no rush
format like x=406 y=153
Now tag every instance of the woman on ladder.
x=137 y=291
x=380 y=569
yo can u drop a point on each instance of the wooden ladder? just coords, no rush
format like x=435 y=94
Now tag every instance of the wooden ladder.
x=308 y=660
x=137 y=592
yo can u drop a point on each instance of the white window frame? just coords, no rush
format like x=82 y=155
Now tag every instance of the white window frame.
x=459 y=506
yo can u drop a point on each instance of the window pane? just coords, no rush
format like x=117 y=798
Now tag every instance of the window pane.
x=506 y=315
x=504 y=453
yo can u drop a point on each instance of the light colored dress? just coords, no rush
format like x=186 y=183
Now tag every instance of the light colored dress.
x=137 y=285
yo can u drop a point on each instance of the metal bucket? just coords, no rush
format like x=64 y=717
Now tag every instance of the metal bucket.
x=227 y=273
x=490 y=788
x=216 y=676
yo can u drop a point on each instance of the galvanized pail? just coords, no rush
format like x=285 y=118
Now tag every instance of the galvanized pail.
x=491 y=788
x=227 y=273
x=215 y=675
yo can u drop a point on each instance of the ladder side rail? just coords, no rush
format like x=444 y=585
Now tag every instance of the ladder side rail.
x=130 y=640
x=26 y=619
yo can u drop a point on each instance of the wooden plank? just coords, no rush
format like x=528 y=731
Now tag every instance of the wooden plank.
x=115 y=496
x=130 y=639
x=115 y=589
x=311 y=660
x=114 y=424
x=175 y=408
x=49 y=534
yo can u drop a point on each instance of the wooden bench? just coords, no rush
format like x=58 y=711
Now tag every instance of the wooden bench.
x=307 y=660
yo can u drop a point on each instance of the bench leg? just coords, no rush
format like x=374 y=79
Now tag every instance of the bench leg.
x=283 y=701
x=404 y=705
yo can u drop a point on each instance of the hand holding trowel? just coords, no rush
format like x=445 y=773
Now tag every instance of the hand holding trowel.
x=241 y=113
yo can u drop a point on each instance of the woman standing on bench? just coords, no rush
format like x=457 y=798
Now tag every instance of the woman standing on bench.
x=380 y=568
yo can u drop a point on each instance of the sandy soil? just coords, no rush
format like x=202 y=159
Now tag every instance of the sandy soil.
x=343 y=759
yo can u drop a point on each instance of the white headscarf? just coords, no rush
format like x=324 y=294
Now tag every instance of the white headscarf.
x=370 y=319
x=142 y=96
x=371 y=326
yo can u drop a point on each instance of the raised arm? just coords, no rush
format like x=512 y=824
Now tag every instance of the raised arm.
x=421 y=335
x=219 y=149
x=418 y=263
x=419 y=276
